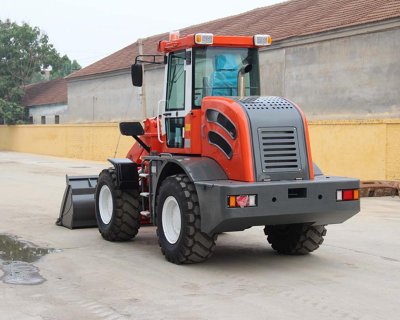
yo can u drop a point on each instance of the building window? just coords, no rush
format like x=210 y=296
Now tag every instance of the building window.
x=30 y=120
x=43 y=120
x=56 y=119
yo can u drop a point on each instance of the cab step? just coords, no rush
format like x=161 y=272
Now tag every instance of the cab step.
x=145 y=213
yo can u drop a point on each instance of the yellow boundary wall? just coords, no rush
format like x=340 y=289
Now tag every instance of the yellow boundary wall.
x=97 y=141
x=367 y=149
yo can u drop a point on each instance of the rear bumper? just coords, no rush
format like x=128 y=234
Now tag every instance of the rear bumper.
x=317 y=206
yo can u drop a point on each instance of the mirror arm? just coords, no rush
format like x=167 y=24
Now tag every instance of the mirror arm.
x=153 y=56
x=140 y=141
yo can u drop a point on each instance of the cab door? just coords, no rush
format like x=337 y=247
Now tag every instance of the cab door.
x=178 y=99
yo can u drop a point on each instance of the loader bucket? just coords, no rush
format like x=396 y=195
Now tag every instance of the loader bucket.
x=77 y=207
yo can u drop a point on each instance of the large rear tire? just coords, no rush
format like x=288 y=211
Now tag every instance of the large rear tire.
x=178 y=222
x=295 y=239
x=117 y=211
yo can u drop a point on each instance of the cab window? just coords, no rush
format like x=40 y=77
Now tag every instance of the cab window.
x=216 y=72
x=176 y=82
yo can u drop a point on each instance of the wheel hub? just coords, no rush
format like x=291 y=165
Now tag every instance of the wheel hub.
x=106 y=205
x=171 y=220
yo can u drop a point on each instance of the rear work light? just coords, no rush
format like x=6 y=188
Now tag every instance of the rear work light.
x=262 y=40
x=204 y=38
x=348 y=195
x=242 y=201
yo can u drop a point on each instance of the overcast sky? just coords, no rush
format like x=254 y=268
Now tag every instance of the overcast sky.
x=88 y=30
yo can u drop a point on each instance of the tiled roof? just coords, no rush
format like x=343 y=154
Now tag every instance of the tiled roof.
x=49 y=92
x=281 y=21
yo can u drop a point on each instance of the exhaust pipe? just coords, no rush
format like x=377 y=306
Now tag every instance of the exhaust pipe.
x=240 y=80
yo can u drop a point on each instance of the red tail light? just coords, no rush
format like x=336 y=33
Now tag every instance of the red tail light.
x=242 y=201
x=347 y=195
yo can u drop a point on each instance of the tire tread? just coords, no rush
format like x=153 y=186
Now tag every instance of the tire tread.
x=126 y=223
x=196 y=245
x=295 y=239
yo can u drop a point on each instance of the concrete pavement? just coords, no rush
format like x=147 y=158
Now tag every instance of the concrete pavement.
x=354 y=275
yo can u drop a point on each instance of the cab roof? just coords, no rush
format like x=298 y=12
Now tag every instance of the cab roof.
x=191 y=41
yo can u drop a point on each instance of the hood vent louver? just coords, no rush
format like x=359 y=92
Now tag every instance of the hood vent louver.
x=279 y=149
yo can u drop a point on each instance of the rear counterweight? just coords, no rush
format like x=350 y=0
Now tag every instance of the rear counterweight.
x=278 y=202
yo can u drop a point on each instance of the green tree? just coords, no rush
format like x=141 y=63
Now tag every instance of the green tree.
x=63 y=67
x=11 y=112
x=25 y=52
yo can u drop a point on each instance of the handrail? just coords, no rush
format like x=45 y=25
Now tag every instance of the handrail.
x=158 y=120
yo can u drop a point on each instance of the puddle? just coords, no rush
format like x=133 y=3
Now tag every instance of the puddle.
x=16 y=258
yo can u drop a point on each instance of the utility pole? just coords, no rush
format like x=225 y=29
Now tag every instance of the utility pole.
x=142 y=95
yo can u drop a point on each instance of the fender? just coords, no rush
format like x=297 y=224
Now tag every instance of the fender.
x=196 y=168
x=127 y=173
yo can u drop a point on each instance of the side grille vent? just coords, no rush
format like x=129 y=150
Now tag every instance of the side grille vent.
x=279 y=149
x=219 y=141
x=220 y=119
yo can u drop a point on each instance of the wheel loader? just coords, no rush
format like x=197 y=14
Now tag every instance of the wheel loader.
x=218 y=157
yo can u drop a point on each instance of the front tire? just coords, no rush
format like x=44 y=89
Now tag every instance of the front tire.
x=178 y=222
x=117 y=211
x=295 y=239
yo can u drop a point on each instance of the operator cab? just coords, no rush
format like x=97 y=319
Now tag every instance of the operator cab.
x=198 y=66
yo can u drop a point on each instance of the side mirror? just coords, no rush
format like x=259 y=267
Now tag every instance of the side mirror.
x=137 y=74
x=131 y=129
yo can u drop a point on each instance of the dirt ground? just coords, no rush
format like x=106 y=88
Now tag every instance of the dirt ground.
x=354 y=275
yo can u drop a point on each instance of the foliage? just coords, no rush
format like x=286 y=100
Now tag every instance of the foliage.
x=11 y=112
x=25 y=52
x=64 y=67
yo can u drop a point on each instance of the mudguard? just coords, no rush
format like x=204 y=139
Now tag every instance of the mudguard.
x=196 y=168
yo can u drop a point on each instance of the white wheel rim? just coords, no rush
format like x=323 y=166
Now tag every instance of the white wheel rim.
x=171 y=219
x=105 y=204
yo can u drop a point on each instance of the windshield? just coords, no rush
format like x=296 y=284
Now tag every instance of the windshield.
x=216 y=72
